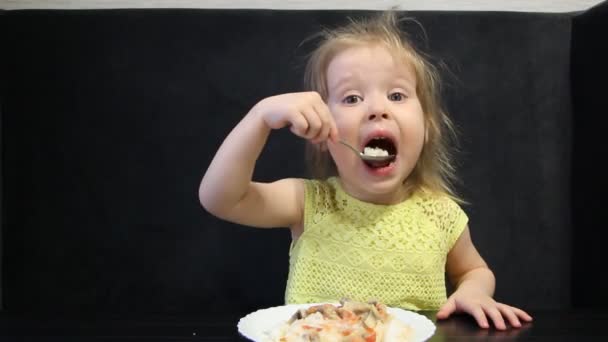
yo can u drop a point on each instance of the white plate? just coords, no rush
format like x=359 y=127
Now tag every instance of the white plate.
x=255 y=325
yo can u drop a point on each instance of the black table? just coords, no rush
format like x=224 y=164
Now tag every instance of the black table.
x=547 y=326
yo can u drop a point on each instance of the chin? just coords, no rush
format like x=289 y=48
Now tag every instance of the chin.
x=379 y=191
x=384 y=187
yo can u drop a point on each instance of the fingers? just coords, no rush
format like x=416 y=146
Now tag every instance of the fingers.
x=480 y=317
x=307 y=115
x=315 y=125
x=310 y=125
x=299 y=124
x=498 y=314
x=320 y=124
x=510 y=315
x=323 y=133
x=522 y=314
x=484 y=310
x=330 y=131
x=496 y=317
x=514 y=315
x=446 y=310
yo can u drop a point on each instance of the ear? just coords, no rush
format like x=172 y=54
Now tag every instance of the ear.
x=426 y=135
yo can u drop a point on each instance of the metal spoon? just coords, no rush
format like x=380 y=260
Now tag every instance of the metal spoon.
x=365 y=156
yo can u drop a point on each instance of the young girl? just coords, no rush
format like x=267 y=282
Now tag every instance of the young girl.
x=385 y=230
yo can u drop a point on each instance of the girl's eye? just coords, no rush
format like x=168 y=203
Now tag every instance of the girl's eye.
x=397 y=97
x=352 y=99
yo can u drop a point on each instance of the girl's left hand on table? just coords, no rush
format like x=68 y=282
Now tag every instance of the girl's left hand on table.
x=482 y=306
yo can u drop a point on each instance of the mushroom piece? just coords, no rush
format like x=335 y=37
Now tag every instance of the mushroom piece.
x=370 y=320
x=297 y=315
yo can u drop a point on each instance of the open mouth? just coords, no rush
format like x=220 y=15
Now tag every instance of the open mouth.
x=380 y=146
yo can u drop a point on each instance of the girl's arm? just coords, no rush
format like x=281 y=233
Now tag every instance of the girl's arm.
x=465 y=267
x=475 y=284
x=227 y=189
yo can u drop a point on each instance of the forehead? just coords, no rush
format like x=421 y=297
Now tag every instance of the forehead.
x=368 y=59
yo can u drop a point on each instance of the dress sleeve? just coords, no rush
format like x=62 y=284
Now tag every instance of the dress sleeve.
x=310 y=195
x=453 y=221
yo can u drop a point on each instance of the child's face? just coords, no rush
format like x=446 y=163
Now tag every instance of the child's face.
x=372 y=95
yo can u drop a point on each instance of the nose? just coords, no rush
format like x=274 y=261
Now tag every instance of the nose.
x=378 y=116
x=377 y=109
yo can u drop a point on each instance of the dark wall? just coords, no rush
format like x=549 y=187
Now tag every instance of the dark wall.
x=2 y=97
x=589 y=84
x=110 y=118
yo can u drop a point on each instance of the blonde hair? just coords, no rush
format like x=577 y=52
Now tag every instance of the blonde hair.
x=434 y=170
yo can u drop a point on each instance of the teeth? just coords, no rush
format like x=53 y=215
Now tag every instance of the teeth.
x=375 y=151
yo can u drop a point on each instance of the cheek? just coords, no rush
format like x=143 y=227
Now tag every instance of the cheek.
x=344 y=130
x=345 y=124
x=335 y=151
x=341 y=155
x=414 y=131
x=416 y=135
x=419 y=128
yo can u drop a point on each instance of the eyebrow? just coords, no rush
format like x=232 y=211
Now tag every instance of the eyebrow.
x=404 y=82
x=410 y=84
x=342 y=81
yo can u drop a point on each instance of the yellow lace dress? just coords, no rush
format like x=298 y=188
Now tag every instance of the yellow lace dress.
x=392 y=253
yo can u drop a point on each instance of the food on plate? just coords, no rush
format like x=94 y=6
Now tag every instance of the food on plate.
x=348 y=322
